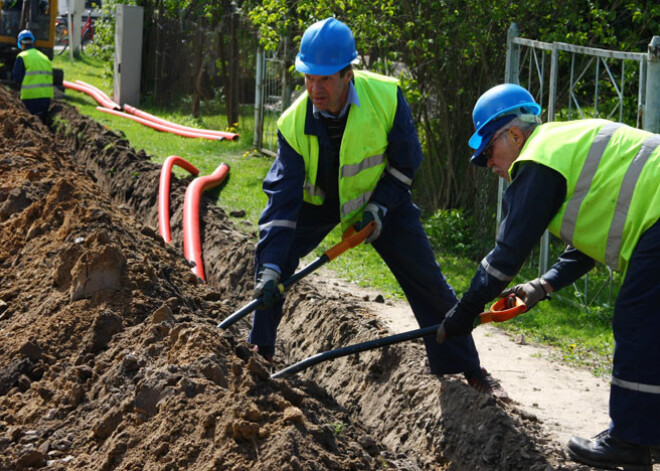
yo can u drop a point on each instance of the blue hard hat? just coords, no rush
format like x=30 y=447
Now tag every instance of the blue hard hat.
x=326 y=47
x=495 y=108
x=25 y=34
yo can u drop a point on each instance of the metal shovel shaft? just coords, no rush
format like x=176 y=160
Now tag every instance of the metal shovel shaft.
x=255 y=303
x=503 y=310
x=350 y=239
x=357 y=348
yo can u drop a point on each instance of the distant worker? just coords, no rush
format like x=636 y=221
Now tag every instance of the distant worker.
x=595 y=184
x=34 y=72
x=348 y=152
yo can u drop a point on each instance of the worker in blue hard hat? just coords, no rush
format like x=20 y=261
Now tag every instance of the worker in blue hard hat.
x=34 y=72
x=594 y=184
x=348 y=153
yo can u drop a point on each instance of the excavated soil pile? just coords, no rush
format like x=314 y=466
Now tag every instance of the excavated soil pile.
x=110 y=357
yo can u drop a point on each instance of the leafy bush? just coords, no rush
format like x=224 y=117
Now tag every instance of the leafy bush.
x=454 y=232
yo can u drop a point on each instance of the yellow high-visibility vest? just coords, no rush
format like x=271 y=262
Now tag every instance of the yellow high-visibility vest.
x=362 y=158
x=38 y=80
x=612 y=174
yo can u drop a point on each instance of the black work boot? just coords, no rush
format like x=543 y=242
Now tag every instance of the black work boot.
x=605 y=451
x=482 y=381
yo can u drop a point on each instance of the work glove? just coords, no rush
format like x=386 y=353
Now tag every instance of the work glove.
x=531 y=292
x=267 y=287
x=459 y=320
x=372 y=212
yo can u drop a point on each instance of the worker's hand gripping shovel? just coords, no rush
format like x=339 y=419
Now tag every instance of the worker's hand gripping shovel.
x=350 y=239
x=503 y=310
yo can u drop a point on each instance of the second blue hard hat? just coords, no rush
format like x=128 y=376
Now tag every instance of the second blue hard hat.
x=25 y=34
x=326 y=47
x=495 y=108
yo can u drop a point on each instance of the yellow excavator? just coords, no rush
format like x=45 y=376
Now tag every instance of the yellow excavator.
x=16 y=15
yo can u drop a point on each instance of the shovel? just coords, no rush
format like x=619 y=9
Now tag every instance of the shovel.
x=503 y=310
x=350 y=239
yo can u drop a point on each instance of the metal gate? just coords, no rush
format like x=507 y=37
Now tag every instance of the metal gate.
x=575 y=82
x=273 y=95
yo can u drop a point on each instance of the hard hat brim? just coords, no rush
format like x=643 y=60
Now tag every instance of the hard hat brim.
x=476 y=138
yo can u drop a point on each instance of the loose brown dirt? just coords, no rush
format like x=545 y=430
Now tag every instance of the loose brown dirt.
x=110 y=355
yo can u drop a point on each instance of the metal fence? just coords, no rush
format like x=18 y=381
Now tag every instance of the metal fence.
x=575 y=82
x=273 y=95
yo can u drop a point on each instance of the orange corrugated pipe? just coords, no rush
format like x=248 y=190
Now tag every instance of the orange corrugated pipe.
x=192 y=240
x=98 y=96
x=144 y=115
x=164 y=192
x=160 y=127
x=107 y=99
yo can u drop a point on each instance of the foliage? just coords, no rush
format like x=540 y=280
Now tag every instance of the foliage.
x=446 y=54
x=338 y=428
x=452 y=231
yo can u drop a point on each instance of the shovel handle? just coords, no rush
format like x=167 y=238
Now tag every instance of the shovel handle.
x=504 y=309
x=350 y=239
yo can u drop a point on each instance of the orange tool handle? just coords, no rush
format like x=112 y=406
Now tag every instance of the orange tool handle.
x=504 y=309
x=350 y=239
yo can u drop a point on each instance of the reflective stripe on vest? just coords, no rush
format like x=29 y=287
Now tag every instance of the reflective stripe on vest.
x=584 y=181
x=352 y=170
x=362 y=158
x=615 y=237
x=38 y=79
x=639 y=387
x=612 y=194
x=314 y=191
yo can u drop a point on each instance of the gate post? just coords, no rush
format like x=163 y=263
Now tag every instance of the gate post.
x=512 y=55
x=259 y=101
x=652 y=104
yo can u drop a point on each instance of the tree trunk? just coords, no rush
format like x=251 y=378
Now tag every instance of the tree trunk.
x=158 y=55
x=222 y=55
x=197 y=73
x=232 y=93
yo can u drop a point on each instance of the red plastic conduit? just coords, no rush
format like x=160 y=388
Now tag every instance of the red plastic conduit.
x=100 y=99
x=159 y=127
x=144 y=115
x=164 y=192
x=192 y=241
x=105 y=96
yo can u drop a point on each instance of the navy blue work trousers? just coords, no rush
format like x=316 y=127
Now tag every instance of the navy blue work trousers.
x=405 y=248
x=635 y=390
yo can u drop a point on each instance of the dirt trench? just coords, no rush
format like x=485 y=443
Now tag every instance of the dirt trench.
x=110 y=357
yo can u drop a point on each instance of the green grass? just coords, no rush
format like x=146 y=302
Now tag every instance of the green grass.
x=248 y=168
x=583 y=338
